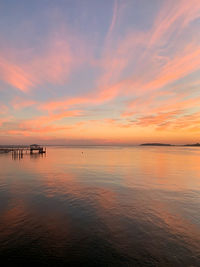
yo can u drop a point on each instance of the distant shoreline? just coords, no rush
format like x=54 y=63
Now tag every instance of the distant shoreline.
x=161 y=144
x=9 y=148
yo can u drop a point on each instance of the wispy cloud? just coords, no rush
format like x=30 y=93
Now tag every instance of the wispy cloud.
x=21 y=103
x=52 y=64
x=113 y=21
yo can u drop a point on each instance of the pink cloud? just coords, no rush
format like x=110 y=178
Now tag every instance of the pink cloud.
x=96 y=98
x=42 y=124
x=52 y=64
x=174 y=16
x=114 y=19
x=20 y=103
x=15 y=75
x=153 y=69
x=44 y=120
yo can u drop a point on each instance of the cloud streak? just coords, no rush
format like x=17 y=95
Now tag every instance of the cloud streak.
x=52 y=64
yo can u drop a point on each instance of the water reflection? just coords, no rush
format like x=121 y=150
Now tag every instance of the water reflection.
x=102 y=207
x=17 y=155
x=37 y=155
x=20 y=156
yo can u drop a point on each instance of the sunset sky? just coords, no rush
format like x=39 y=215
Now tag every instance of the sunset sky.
x=99 y=71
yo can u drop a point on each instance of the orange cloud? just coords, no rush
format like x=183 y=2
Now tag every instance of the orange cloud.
x=157 y=119
x=191 y=122
x=42 y=130
x=43 y=120
x=40 y=125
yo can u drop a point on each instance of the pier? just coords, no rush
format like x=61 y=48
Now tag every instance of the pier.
x=39 y=149
x=18 y=151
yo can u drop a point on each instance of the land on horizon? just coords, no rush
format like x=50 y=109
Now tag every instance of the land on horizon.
x=163 y=144
x=7 y=147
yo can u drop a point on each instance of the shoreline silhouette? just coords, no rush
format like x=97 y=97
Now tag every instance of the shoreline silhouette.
x=161 y=144
x=9 y=148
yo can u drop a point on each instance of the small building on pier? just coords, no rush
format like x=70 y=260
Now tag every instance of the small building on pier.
x=38 y=148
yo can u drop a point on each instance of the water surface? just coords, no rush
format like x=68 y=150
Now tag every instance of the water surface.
x=101 y=206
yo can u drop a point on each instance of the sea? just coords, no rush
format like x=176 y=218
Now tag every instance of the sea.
x=101 y=206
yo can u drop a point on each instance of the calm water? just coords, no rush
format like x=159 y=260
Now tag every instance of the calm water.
x=101 y=206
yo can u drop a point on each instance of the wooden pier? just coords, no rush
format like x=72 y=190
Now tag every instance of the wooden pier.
x=39 y=149
x=18 y=151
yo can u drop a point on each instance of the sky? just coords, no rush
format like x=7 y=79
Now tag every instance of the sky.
x=87 y=72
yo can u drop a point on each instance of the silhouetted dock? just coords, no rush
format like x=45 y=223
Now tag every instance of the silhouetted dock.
x=23 y=149
x=39 y=149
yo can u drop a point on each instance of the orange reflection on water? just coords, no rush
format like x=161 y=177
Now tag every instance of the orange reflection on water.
x=167 y=169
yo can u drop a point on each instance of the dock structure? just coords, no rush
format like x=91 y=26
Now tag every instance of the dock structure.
x=38 y=148
x=18 y=151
